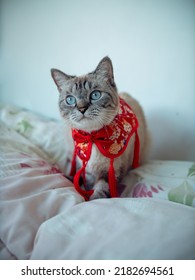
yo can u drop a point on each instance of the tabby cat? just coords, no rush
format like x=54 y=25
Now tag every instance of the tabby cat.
x=90 y=103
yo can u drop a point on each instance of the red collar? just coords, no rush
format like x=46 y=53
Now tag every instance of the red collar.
x=111 y=140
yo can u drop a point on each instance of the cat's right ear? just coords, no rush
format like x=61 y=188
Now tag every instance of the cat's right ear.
x=60 y=78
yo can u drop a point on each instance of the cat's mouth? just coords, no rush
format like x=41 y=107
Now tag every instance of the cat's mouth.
x=84 y=117
x=82 y=120
x=85 y=120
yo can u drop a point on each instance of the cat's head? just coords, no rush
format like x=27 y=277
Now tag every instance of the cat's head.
x=88 y=102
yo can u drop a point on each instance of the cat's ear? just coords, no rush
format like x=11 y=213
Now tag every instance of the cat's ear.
x=105 y=70
x=60 y=78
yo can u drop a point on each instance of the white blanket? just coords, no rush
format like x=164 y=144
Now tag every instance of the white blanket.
x=43 y=217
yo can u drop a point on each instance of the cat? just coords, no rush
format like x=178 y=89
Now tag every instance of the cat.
x=89 y=103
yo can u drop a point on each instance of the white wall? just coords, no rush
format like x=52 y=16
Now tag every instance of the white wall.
x=151 y=43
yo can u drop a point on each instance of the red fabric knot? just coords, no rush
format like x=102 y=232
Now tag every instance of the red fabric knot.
x=111 y=140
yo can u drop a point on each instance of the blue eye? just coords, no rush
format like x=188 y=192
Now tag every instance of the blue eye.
x=95 y=95
x=70 y=100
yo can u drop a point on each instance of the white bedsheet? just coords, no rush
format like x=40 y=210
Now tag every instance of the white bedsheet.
x=43 y=217
x=118 y=229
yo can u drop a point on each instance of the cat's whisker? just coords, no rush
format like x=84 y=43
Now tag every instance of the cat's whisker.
x=66 y=122
x=101 y=122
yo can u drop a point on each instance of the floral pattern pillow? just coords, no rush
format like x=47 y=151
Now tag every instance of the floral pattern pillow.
x=169 y=180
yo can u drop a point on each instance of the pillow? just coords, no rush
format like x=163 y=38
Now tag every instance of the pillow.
x=169 y=180
x=51 y=136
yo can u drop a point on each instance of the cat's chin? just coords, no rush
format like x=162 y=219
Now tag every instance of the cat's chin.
x=87 y=125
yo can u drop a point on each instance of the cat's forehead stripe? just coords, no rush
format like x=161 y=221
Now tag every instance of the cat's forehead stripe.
x=81 y=84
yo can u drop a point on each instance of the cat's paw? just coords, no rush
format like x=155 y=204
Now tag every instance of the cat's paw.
x=101 y=190
x=99 y=194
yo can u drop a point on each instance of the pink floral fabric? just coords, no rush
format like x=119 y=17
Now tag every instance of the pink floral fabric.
x=142 y=190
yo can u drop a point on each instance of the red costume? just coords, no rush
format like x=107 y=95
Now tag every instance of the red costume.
x=111 y=140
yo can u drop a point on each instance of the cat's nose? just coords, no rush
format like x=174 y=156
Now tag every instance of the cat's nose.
x=83 y=109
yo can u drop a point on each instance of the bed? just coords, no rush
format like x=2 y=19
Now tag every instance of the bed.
x=43 y=217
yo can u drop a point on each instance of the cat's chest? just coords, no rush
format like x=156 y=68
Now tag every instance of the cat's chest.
x=97 y=162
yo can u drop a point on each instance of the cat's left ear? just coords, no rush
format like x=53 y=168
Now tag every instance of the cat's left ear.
x=60 y=78
x=105 y=70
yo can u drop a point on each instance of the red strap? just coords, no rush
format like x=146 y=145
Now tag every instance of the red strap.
x=84 y=193
x=112 y=180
